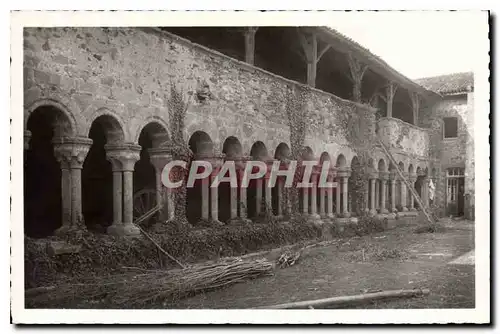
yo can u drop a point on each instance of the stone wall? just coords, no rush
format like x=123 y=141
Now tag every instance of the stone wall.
x=127 y=73
x=451 y=152
x=404 y=137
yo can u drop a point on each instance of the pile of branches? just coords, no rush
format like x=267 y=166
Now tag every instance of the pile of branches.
x=288 y=259
x=149 y=288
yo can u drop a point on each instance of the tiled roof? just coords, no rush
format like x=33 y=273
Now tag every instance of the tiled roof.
x=377 y=62
x=449 y=83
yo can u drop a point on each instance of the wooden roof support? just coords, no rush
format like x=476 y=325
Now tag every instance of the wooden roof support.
x=358 y=70
x=415 y=102
x=390 y=92
x=249 y=33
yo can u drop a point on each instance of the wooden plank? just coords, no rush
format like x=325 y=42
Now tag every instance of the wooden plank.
x=337 y=301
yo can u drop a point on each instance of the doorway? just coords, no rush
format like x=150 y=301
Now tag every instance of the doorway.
x=455 y=191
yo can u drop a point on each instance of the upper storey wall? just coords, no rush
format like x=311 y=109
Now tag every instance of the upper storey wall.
x=127 y=72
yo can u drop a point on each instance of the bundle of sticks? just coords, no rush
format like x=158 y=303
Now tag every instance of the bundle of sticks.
x=133 y=290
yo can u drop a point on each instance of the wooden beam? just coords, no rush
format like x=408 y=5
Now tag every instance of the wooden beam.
x=323 y=51
x=415 y=102
x=309 y=44
x=358 y=70
x=390 y=91
x=249 y=33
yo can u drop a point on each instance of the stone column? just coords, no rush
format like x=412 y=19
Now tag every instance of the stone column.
x=393 y=192
x=258 y=196
x=329 y=200
x=377 y=194
x=243 y=190
x=267 y=188
x=71 y=153
x=314 y=194
x=337 y=197
x=367 y=194
x=305 y=201
x=205 y=198
x=412 y=179
x=372 y=187
x=345 y=197
x=383 y=191
x=159 y=158
x=123 y=158
x=216 y=162
x=233 y=201
x=404 y=191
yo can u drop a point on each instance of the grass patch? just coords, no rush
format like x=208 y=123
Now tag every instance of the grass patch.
x=430 y=228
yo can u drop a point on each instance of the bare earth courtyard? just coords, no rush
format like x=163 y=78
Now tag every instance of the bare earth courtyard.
x=395 y=259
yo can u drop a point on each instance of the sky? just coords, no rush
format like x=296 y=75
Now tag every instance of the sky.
x=419 y=44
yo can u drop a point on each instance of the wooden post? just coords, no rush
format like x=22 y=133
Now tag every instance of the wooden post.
x=415 y=102
x=357 y=72
x=390 y=90
x=309 y=44
x=250 y=44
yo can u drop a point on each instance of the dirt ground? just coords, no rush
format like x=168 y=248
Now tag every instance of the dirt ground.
x=395 y=259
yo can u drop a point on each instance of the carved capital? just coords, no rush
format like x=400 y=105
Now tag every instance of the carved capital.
x=123 y=157
x=71 y=152
x=343 y=172
x=383 y=176
x=159 y=157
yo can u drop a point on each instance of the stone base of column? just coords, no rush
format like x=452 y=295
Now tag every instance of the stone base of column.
x=384 y=211
x=405 y=209
x=65 y=229
x=373 y=212
x=216 y=222
x=314 y=216
x=123 y=230
x=346 y=215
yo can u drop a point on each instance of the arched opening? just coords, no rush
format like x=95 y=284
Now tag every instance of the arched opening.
x=201 y=145
x=258 y=151
x=42 y=172
x=282 y=153
x=356 y=188
x=233 y=151
x=153 y=135
x=97 y=177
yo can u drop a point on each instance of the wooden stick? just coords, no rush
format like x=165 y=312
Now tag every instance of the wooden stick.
x=336 y=301
x=161 y=249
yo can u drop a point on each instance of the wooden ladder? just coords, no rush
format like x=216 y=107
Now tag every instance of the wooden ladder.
x=408 y=184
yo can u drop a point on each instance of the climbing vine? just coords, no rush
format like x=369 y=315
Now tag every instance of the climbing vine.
x=177 y=108
x=296 y=112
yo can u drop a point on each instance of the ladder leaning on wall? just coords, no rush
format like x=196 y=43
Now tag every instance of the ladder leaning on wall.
x=408 y=185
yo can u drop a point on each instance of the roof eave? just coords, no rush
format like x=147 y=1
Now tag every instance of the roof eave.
x=342 y=44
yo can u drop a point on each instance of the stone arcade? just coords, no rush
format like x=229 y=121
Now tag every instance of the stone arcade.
x=97 y=126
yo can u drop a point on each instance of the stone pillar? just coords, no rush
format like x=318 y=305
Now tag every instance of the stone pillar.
x=345 y=197
x=412 y=179
x=117 y=194
x=205 y=198
x=314 y=194
x=258 y=196
x=243 y=190
x=404 y=191
x=367 y=194
x=267 y=188
x=329 y=200
x=372 y=187
x=123 y=158
x=233 y=201
x=383 y=191
x=214 y=198
x=71 y=153
x=337 y=197
x=393 y=192
x=322 y=201
x=377 y=194
x=159 y=158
